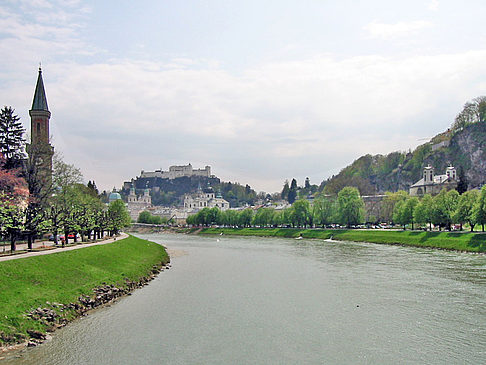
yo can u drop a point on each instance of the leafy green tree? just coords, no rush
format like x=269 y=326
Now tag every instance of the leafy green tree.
x=12 y=140
x=264 y=217
x=324 y=211
x=404 y=209
x=423 y=210
x=144 y=217
x=444 y=207
x=214 y=216
x=465 y=208
x=389 y=202
x=118 y=217
x=230 y=218
x=13 y=197
x=301 y=216
x=479 y=212
x=350 y=206
x=11 y=218
x=245 y=217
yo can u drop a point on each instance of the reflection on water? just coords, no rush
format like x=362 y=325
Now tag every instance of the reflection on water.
x=252 y=300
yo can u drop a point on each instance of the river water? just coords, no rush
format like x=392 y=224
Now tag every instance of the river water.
x=247 y=300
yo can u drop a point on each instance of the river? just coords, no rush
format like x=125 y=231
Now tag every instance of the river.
x=247 y=300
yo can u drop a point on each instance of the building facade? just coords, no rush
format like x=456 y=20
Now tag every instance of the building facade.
x=432 y=184
x=177 y=171
x=137 y=204
x=204 y=199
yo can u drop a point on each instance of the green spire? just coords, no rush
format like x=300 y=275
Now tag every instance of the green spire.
x=40 y=100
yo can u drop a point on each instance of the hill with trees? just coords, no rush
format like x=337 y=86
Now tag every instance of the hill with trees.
x=170 y=192
x=463 y=145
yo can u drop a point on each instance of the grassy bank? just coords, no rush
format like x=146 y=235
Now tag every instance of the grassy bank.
x=29 y=283
x=472 y=242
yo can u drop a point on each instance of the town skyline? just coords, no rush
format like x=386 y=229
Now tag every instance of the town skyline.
x=259 y=93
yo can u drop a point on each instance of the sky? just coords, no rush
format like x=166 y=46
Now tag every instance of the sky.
x=262 y=91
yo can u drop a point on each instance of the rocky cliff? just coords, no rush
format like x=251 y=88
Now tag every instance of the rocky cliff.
x=465 y=148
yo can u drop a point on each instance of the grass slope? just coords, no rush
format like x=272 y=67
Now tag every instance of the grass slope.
x=62 y=277
x=472 y=242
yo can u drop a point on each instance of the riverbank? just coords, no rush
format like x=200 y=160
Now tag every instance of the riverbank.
x=42 y=293
x=459 y=241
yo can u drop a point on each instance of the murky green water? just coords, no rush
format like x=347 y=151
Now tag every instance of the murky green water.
x=239 y=300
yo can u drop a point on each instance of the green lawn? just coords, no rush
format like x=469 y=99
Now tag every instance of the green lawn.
x=462 y=241
x=28 y=283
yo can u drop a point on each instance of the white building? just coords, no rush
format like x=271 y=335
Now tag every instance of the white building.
x=137 y=204
x=432 y=184
x=177 y=171
x=204 y=199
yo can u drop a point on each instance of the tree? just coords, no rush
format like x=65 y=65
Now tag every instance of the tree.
x=423 y=210
x=465 y=208
x=350 y=206
x=11 y=217
x=404 y=209
x=479 y=211
x=285 y=191
x=462 y=183
x=93 y=189
x=444 y=207
x=292 y=192
x=245 y=217
x=144 y=217
x=12 y=140
x=264 y=217
x=64 y=174
x=301 y=210
x=324 y=210
x=473 y=111
x=118 y=217
x=13 y=200
x=389 y=202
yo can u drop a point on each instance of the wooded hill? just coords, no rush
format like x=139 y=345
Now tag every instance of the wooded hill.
x=168 y=192
x=463 y=146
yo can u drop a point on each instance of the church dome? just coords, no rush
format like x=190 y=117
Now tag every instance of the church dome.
x=114 y=196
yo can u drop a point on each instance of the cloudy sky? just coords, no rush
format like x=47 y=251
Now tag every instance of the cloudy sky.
x=262 y=91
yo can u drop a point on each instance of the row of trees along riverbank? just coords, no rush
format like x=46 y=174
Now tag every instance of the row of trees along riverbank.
x=444 y=210
x=32 y=205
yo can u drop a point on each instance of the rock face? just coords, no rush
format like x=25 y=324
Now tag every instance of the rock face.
x=53 y=316
x=376 y=174
x=468 y=149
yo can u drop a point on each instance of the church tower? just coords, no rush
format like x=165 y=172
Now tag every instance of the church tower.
x=40 y=151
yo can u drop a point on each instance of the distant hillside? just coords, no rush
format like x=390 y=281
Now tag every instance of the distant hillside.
x=463 y=147
x=169 y=192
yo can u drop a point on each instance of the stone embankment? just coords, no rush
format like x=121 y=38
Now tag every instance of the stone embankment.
x=57 y=315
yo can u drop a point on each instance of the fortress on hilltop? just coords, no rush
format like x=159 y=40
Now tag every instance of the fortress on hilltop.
x=176 y=172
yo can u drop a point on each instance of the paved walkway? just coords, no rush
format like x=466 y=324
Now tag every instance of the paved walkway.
x=61 y=249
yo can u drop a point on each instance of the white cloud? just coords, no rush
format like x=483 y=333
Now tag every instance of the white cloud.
x=397 y=30
x=278 y=120
x=284 y=119
x=434 y=5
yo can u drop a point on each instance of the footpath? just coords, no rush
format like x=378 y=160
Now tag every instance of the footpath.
x=60 y=249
